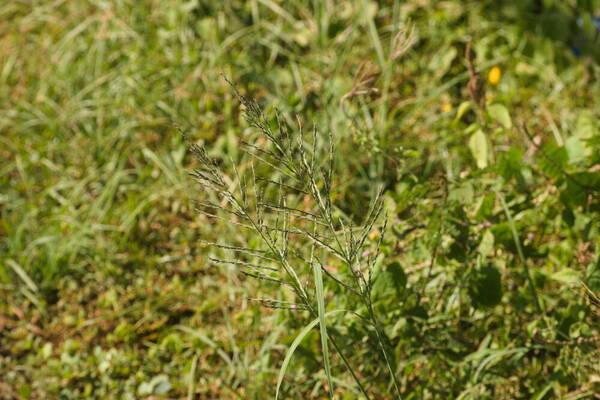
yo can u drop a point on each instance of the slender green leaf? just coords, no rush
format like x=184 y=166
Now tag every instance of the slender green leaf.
x=540 y=395
x=294 y=346
x=515 y=235
x=22 y=274
x=323 y=327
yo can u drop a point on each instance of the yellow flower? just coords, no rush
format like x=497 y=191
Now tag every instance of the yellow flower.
x=494 y=75
x=446 y=107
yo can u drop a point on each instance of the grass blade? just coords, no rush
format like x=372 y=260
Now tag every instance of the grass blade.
x=323 y=327
x=205 y=339
x=23 y=275
x=296 y=343
x=515 y=235
x=191 y=383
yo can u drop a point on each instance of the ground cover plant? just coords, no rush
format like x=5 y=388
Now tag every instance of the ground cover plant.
x=388 y=199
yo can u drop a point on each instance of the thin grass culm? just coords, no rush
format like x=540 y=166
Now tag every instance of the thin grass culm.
x=282 y=192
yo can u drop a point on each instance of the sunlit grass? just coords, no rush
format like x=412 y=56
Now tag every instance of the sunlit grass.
x=105 y=280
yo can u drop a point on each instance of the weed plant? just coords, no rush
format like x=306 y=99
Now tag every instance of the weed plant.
x=284 y=196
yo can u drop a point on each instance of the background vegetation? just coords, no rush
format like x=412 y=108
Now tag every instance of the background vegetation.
x=486 y=274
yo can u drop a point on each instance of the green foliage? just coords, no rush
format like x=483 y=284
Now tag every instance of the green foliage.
x=482 y=283
x=485 y=287
x=499 y=113
x=389 y=283
x=479 y=147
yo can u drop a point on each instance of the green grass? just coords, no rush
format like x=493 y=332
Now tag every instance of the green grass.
x=106 y=288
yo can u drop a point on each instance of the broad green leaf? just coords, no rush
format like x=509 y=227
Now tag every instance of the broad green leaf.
x=579 y=187
x=486 y=246
x=575 y=149
x=500 y=114
x=566 y=275
x=390 y=282
x=586 y=125
x=555 y=162
x=510 y=163
x=440 y=65
x=578 y=146
x=486 y=287
x=593 y=277
x=463 y=194
x=479 y=148
x=486 y=207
